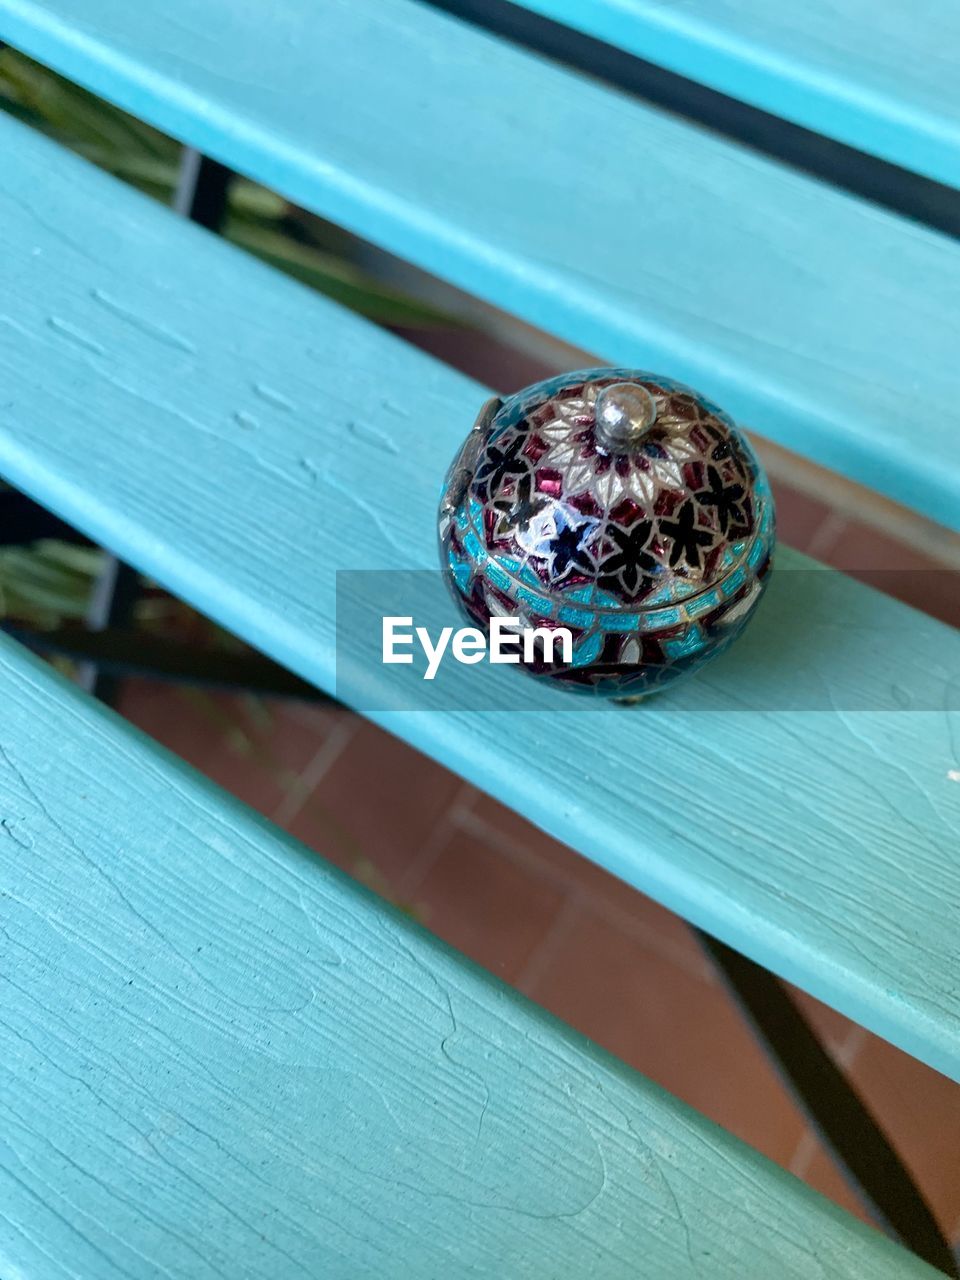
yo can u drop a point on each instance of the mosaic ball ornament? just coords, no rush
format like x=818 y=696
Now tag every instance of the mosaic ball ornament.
x=620 y=505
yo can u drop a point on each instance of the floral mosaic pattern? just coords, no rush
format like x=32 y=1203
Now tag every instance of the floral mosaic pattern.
x=656 y=556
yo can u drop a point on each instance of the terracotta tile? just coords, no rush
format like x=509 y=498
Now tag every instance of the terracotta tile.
x=485 y=905
x=490 y=361
x=895 y=568
x=863 y=547
x=681 y=1032
x=799 y=516
x=505 y=821
x=501 y=828
x=570 y=979
x=631 y=910
x=919 y=1110
x=255 y=750
x=841 y=1037
x=822 y=1174
x=376 y=807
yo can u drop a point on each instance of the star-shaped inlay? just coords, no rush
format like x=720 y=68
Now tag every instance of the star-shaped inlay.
x=499 y=462
x=560 y=535
x=686 y=536
x=526 y=504
x=725 y=499
x=630 y=562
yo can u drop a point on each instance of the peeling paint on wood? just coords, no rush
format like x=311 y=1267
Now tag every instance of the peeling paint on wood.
x=221 y=1058
x=847 y=882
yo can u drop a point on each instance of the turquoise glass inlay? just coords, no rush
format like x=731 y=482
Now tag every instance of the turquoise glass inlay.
x=588 y=650
x=576 y=617
x=690 y=642
x=497 y=575
x=462 y=571
x=662 y=618
x=663 y=596
x=619 y=621
x=541 y=605
x=476 y=552
x=683 y=590
x=606 y=600
x=703 y=604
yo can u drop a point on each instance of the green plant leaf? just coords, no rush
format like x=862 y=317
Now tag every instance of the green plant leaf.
x=146 y=158
x=334 y=277
x=78 y=559
x=73 y=114
x=34 y=588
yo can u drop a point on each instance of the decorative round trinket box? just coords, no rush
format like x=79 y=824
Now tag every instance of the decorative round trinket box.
x=619 y=505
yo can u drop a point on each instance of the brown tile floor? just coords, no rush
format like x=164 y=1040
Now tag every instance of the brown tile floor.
x=600 y=955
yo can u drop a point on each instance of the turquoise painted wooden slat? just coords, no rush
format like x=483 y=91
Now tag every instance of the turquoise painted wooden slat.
x=234 y=435
x=884 y=78
x=223 y=1059
x=824 y=322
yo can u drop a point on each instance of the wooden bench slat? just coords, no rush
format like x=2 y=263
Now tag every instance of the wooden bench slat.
x=209 y=420
x=821 y=321
x=885 y=80
x=222 y=1058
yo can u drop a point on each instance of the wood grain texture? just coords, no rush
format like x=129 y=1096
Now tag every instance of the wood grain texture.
x=884 y=78
x=223 y=1059
x=819 y=320
x=234 y=436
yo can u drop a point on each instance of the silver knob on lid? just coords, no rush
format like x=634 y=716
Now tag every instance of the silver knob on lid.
x=625 y=412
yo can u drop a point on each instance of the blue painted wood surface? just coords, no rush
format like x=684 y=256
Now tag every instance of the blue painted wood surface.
x=884 y=78
x=221 y=1058
x=821 y=321
x=209 y=421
